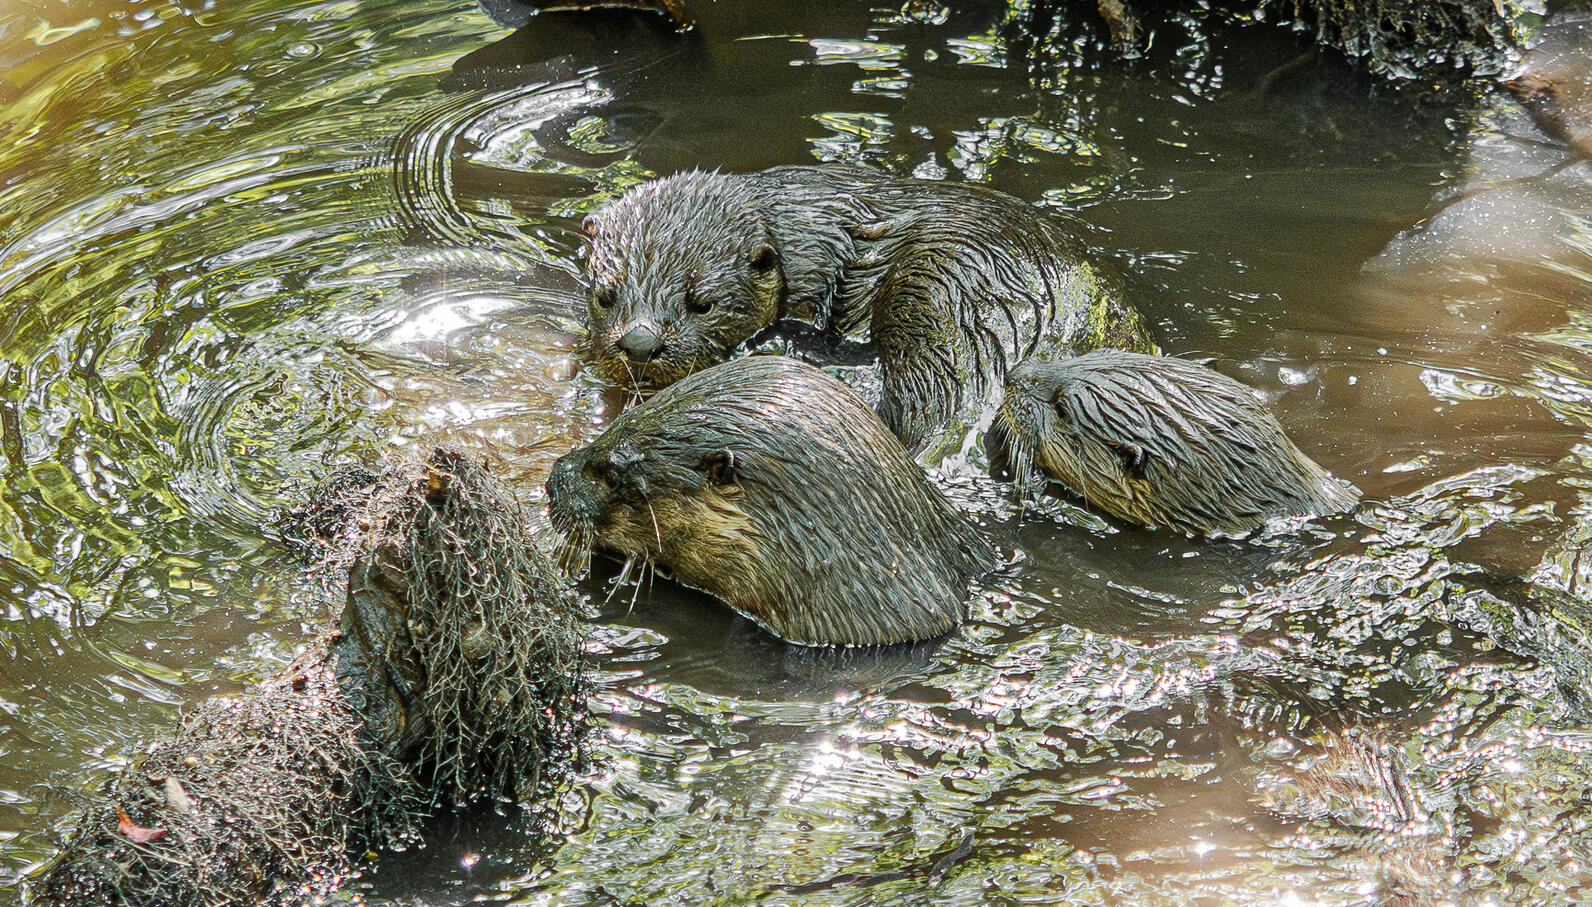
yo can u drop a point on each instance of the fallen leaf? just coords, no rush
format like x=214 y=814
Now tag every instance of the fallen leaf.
x=136 y=833
x=176 y=797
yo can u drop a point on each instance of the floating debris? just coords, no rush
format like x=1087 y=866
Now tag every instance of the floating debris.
x=451 y=674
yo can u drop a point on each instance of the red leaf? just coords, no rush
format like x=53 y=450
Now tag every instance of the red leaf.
x=136 y=833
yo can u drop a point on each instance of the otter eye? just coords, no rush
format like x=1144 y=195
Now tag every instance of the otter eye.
x=698 y=306
x=719 y=467
x=605 y=473
x=604 y=297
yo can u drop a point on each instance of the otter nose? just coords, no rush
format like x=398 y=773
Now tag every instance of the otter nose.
x=641 y=343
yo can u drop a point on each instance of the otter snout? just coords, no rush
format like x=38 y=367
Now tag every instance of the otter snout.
x=641 y=343
x=574 y=501
x=1022 y=423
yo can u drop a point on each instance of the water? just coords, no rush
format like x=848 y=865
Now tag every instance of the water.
x=243 y=243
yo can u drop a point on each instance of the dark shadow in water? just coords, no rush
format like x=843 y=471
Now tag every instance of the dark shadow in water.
x=693 y=639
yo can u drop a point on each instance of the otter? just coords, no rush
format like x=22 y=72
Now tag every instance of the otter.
x=952 y=283
x=771 y=486
x=1157 y=441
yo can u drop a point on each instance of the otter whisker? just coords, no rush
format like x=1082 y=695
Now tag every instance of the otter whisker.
x=621 y=579
x=635 y=383
x=566 y=552
x=1021 y=492
x=655 y=527
x=1019 y=459
x=576 y=553
x=636 y=594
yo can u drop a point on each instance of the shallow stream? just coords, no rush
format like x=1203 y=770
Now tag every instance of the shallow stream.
x=242 y=243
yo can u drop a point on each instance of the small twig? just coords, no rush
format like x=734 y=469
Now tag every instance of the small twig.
x=1123 y=22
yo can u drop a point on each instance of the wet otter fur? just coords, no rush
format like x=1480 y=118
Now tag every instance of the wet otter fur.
x=771 y=486
x=952 y=283
x=1158 y=441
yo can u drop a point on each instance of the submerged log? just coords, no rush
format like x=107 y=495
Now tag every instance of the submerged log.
x=451 y=673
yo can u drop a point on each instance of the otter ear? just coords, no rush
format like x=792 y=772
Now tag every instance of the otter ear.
x=879 y=229
x=1135 y=460
x=719 y=467
x=590 y=224
x=763 y=257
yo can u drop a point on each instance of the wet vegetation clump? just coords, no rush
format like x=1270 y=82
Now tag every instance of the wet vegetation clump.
x=1398 y=38
x=452 y=673
x=1353 y=788
x=1412 y=37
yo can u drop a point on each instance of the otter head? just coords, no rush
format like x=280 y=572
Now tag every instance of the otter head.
x=680 y=272
x=1157 y=441
x=771 y=486
x=1025 y=421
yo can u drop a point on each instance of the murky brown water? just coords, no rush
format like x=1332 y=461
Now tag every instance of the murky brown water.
x=242 y=242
